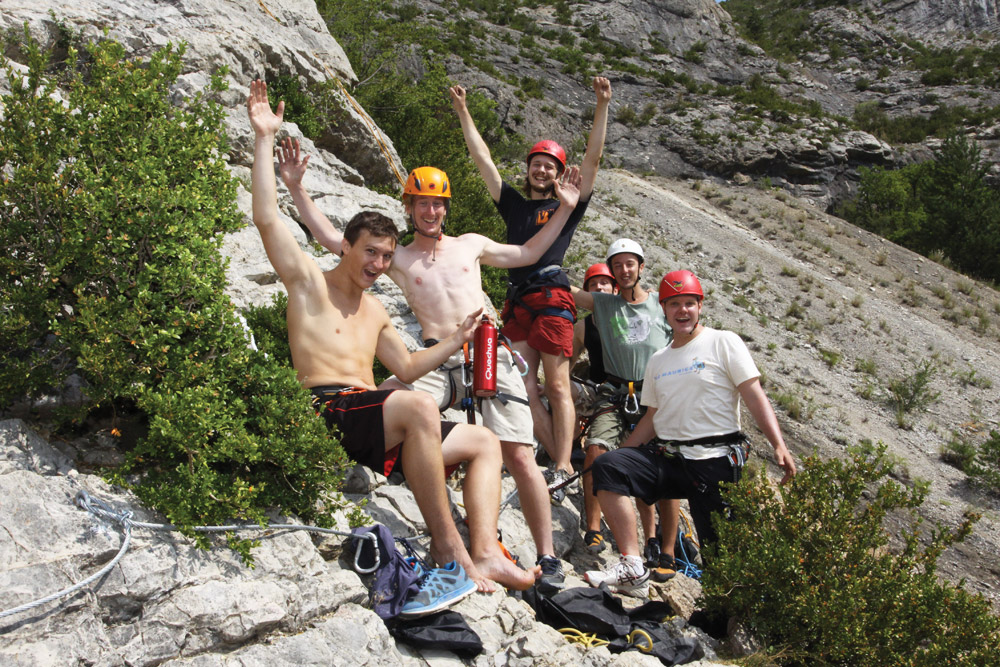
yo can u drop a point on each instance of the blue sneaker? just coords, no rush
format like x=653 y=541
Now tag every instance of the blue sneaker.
x=416 y=565
x=440 y=588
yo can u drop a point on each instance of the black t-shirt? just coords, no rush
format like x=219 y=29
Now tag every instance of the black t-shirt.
x=524 y=218
x=592 y=342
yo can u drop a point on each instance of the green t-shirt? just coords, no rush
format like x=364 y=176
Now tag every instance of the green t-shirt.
x=630 y=333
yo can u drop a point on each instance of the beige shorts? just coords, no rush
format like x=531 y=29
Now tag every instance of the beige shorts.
x=608 y=428
x=507 y=415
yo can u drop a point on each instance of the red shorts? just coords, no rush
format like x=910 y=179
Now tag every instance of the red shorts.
x=548 y=333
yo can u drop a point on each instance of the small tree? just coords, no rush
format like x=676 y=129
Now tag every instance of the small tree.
x=812 y=570
x=114 y=207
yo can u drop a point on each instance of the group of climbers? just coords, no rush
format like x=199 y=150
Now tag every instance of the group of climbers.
x=336 y=329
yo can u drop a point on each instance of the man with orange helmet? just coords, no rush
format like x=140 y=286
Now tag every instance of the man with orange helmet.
x=689 y=440
x=440 y=276
x=540 y=313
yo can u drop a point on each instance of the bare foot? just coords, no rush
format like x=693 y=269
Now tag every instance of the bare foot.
x=501 y=570
x=484 y=584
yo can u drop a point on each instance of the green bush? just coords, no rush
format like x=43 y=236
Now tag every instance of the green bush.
x=984 y=469
x=980 y=462
x=115 y=206
x=912 y=392
x=946 y=206
x=811 y=570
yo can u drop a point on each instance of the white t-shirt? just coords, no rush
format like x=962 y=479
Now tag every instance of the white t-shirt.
x=694 y=389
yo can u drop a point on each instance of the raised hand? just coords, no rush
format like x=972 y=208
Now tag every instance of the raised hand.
x=567 y=188
x=603 y=89
x=262 y=119
x=457 y=98
x=292 y=162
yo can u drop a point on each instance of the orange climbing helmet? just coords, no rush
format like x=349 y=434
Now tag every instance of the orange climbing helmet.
x=429 y=181
x=550 y=148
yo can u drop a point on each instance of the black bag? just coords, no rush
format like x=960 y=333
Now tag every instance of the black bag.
x=597 y=611
x=443 y=630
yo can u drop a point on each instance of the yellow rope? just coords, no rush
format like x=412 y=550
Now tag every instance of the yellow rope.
x=588 y=639
x=372 y=128
x=264 y=7
x=639 y=633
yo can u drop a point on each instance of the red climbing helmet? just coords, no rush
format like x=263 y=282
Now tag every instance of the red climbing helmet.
x=550 y=148
x=680 y=282
x=429 y=181
x=599 y=269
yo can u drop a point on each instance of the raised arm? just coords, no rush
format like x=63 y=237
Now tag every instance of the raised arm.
x=758 y=405
x=506 y=256
x=478 y=149
x=595 y=143
x=292 y=165
x=409 y=366
x=282 y=249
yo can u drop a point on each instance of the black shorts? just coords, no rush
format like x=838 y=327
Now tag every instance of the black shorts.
x=644 y=473
x=357 y=413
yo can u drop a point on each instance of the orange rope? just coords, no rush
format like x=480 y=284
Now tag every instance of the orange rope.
x=371 y=126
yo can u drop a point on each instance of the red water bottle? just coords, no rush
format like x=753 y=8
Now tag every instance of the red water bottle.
x=484 y=383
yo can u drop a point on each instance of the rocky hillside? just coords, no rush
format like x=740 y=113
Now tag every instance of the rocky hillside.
x=693 y=97
x=832 y=313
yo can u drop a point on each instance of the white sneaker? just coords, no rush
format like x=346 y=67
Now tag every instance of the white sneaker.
x=628 y=576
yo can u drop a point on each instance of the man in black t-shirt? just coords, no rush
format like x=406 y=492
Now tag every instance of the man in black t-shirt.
x=540 y=313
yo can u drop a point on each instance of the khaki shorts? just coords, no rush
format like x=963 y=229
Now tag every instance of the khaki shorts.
x=511 y=422
x=608 y=428
x=584 y=397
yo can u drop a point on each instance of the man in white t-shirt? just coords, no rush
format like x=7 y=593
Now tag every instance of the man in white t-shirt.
x=689 y=440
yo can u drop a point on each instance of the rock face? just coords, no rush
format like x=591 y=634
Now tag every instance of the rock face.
x=939 y=21
x=680 y=73
x=167 y=602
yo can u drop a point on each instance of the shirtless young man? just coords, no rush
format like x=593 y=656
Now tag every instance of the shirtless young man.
x=335 y=331
x=540 y=313
x=441 y=279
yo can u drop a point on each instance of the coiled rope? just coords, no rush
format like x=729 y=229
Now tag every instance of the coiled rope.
x=124 y=519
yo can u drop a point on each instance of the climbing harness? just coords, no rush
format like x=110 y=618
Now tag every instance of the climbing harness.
x=544 y=278
x=124 y=519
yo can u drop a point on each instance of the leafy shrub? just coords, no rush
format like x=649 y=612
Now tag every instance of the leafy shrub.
x=945 y=206
x=984 y=469
x=912 y=392
x=980 y=462
x=115 y=204
x=811 y=570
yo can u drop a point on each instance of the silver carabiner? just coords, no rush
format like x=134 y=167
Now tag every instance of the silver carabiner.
x=631 y=401
x=357 y=553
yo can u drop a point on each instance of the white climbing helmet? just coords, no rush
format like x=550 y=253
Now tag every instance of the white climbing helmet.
x=625 y=245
